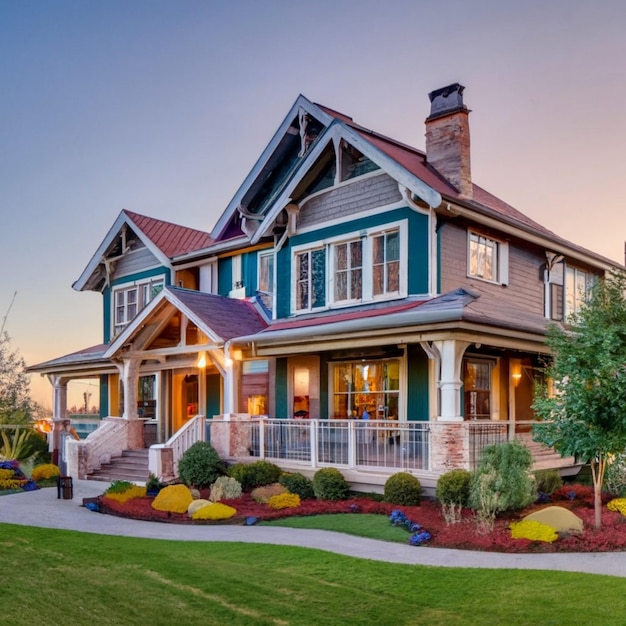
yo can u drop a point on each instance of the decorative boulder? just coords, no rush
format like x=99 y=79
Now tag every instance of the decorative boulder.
x=196 y=505
x=559 y=518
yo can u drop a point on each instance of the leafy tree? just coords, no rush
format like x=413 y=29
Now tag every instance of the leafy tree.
x=16 y=406
x=584 y=414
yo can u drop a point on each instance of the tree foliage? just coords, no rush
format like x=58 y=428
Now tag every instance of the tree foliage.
x=584 y=413
x=16 y=406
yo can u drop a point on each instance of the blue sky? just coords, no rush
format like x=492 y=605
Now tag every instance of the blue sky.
x=163 y=107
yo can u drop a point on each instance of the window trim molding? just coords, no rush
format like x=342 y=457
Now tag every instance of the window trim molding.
x=138 y=286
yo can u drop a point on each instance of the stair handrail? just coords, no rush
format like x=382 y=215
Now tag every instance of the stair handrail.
x=191 y=432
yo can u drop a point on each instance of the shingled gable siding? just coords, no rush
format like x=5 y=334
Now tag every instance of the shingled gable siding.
x=135 y=261
x=524 y=289
x=348 y=199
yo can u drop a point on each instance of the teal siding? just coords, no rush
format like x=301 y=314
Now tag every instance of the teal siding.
x=417 y=388
x=249 y=272
x=106 y=315
x=104 y=396
x=281 y=390
x=224 y=276
x=417 y=260
x=155 y=271
x=213 y=395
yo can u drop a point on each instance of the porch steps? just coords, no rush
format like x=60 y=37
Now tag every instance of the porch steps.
x=547 y=458
x=132 y=465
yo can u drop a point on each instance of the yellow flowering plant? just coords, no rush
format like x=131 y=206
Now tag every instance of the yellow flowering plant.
x=533 y=530
x=284 y=501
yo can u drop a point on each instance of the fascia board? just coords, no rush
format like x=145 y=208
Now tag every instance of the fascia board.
x=340 y=130
x=145 y=313
x=541 y=240
x=301 y=102
x=122 y=218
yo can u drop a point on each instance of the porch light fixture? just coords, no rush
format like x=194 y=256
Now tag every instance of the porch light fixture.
x=202 y=360
x=516 y=371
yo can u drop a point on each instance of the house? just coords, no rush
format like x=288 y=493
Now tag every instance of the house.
x=359 y=303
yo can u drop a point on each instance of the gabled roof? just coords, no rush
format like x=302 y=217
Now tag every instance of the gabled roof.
x=165 y=240
x=218 y=317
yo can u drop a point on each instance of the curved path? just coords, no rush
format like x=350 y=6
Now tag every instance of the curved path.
x=42 y=508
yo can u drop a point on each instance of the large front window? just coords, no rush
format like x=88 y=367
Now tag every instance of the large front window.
x=372 y=386
x=130 y=300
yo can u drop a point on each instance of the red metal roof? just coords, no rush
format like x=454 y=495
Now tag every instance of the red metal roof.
x=172 y=239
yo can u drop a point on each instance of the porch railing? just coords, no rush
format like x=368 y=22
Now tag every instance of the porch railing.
x=163 y=458
x=346 y=443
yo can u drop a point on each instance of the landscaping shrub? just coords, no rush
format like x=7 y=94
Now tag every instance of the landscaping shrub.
x=263 y=494
x=200 y=466
x=298 y=484
x=256 y=474
x=503 y=482
x=173 y=499
x=225 y=488
x=330 y=484
x=45 y=472
x=548 y=481
x=453 y=493
x=135 y=491
x=533 y=530
x=615 y=475
x=214 y=511
x=284 y=501
x=404 y=489
x=118 y=486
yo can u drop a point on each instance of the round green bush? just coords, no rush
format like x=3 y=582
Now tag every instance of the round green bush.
x=330 y=484
x=256 y=474
x=404 y=489
x=298 y=484
x=454 y=487
x=200 y=465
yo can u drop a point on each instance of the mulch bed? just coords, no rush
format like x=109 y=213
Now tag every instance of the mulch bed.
x=610 y=538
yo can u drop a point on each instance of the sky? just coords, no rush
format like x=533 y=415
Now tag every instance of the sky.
x=162 y=107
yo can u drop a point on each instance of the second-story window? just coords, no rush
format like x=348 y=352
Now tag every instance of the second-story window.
x=310 y=279
x=487 y=258
x=130 y=300
x=265 y=288
x=386 y=263
x=577 y=285
x=348 y=267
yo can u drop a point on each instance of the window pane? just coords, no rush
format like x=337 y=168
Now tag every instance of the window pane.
x=378 y=280
x=341 y=257
x=355 y=285
x=393 y=276
x=378 y=249
x=318 y=288
x=341 y=285
x=393 y=246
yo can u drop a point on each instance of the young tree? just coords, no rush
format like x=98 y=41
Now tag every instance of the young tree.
x=16 y=406
x=584 y=414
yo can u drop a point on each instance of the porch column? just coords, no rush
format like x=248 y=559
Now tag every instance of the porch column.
x=231 y=375
x=60 y=423
x=451 y=353
x=129 y=371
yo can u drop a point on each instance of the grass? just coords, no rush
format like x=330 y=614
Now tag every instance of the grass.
x=362 y=525
x=64 y=577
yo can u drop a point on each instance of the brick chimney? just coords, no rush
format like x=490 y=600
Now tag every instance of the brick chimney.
x=448 y=137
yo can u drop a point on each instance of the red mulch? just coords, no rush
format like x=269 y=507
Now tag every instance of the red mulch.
x=610 y=538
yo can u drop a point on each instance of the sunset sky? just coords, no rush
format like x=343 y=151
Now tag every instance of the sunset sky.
x=162 y=107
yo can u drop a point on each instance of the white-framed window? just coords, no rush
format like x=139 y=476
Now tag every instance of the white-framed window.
x=129 y=300
x=487 y=258
x=348 y=271
x=265 y=281
x=310 y=272
x=362 y=267
x=386 y=263
x=577 y=285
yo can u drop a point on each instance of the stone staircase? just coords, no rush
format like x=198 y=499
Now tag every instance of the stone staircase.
x=132 y=465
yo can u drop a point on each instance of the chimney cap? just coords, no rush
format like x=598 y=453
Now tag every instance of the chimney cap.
x=446 y=100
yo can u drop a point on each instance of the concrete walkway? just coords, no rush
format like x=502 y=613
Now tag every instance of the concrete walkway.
x=42 y=508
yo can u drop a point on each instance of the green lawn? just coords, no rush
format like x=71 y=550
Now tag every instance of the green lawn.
x=362 y=525
x=57 y=577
